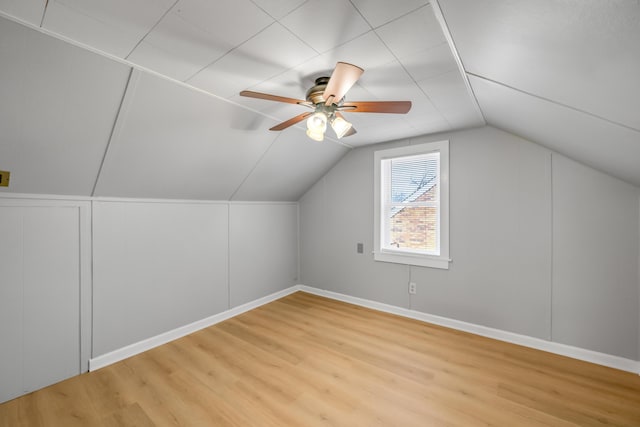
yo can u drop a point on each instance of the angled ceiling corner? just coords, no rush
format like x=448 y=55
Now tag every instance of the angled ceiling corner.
x=563 y=75
x=183 y=131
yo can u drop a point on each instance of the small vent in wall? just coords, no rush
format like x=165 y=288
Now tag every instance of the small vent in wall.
x=4 y=178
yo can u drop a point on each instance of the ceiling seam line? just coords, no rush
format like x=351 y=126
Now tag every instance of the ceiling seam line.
x=346 y=41
x=578 y=110
x=403 y=15
x=435 y=107
x=44 y=12
x=294 y=9
x=233 y=49
x=361 y=15
x=151 y=29
x=437 y=11
x=393 y=53
x=113 y=131
x=300 y=40
x=262 y=9
x=254 y=167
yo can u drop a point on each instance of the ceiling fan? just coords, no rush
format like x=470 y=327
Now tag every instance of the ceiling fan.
x=326 y=99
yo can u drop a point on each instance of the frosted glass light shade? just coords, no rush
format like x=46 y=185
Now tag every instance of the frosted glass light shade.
x=316 y=135
x=316 y=126
x=340 y=126
x=317 y=122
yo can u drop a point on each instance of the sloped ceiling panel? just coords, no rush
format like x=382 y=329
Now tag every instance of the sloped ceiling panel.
x=404 y=58
x=30 y=11
x=174 y=142
x=223 y=47
x=595 y=142
x=582 y=54
x=197 y=32
x=323 y=25
x=58 y=105
x=227 y=46
x=114 y=26
x=253 y=61
x=378 y=13
x=292 y=164
x=575 y=60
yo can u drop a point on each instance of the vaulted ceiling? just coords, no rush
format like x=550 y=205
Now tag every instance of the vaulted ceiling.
x=139 y=98
x=565 y=74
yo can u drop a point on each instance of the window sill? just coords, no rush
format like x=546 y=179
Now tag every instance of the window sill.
x=417 y=260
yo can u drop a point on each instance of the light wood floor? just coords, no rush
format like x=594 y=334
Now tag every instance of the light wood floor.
x=309 y=361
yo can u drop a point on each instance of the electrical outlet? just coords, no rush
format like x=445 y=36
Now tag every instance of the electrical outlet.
x=360 y=248
x=412 y=288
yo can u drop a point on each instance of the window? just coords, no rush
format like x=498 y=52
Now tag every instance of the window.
x=412 y=205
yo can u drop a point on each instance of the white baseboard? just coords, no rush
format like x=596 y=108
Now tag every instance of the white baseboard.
x=149 y=343
x=498 y=334
x=511 y=337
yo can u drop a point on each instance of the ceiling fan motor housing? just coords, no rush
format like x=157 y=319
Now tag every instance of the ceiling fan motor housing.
x=314 y=94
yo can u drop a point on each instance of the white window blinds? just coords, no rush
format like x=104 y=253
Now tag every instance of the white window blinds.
x=411 y=209
x=412 y=205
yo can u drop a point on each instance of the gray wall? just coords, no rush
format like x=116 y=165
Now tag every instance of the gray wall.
x=162 y=265
x=595 y=251
x=510 y=236
x=157 y=265
x=263 y=249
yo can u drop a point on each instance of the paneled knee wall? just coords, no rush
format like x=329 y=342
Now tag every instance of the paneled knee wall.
x=80 y=278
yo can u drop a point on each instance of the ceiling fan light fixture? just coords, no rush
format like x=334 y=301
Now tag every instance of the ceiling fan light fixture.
x=317 y=125
x=316 y=135
x=326 y=98
x=340 y=126
x=317 y=122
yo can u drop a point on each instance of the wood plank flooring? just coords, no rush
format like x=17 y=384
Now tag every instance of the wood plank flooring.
x=310 y=361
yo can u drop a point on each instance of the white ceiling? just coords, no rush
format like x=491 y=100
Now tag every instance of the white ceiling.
x=564 y=74
x=150 y=106
x=226 y=46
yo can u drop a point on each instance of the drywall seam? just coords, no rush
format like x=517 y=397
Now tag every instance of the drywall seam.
x=50 y=197
x=119 y=122
x=298 y=242
x=125 y=102
x=255 y=166
x=578 y=110
x=437 y=10
x=169 y=10
x=91 y=214
x=54 y=197
x=85 y=216
x=229 y=257
x=552 y=242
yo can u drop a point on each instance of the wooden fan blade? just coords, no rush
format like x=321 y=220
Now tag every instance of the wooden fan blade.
x=292 y=121
x=396 y=107
x=276 y=98
x=343 y=77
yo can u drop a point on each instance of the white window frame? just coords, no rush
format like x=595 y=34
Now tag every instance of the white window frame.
x=409 y=257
